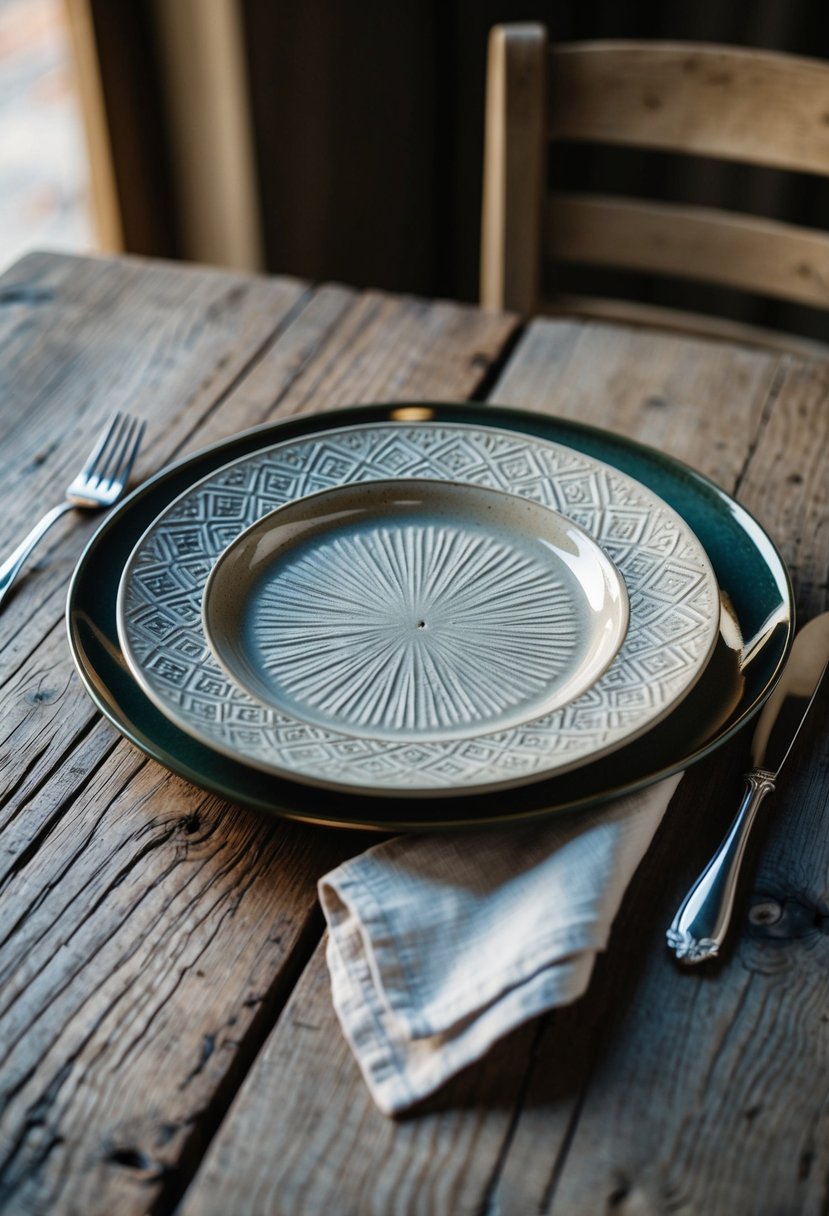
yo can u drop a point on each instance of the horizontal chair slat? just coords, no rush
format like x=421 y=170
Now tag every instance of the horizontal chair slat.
x=756 y=255
x=694 y=99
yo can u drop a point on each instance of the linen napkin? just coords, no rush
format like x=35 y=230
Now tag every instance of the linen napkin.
x=439 y=945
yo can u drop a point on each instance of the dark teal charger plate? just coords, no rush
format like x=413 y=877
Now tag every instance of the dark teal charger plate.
x=750 y=572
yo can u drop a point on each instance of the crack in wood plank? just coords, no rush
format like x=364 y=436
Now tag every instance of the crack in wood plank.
x=222 y=887
x=48 y=825
x=775 y=389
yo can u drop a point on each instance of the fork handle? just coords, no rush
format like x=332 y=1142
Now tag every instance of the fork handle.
x=11 y=566
x=700 y=925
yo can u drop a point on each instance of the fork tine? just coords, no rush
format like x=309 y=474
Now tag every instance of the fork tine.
x=109 y=460
x=129 y=451
x=97 y=452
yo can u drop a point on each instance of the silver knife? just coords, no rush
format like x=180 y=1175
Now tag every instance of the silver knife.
x=700 y=925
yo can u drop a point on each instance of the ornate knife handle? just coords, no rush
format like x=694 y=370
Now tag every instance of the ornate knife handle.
x=700 y=925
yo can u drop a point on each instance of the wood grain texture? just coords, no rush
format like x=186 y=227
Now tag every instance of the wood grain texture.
x=151 y=936
x=693 y=98
x=150 y=932
x=78 y=339
x=148 y=947
x=703 y=1090
x=675 y=320
x=514 y=179
x=786 y=482
x=762 y=256
x=498 y=1138
x=738 y=104
x=328 y=1149
x=82 y=337
x=702 y=402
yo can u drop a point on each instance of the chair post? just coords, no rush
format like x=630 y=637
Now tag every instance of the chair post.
x=514 y=167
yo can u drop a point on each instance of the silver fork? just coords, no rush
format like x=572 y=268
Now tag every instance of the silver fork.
x=100 y=483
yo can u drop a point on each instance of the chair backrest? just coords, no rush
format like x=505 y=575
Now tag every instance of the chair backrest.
x=758 y=107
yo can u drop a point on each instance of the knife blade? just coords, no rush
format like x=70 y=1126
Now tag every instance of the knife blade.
x=700 y=925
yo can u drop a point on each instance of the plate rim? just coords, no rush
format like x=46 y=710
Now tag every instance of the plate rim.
x=447 y=792
x=554 y=521
x=530 y=421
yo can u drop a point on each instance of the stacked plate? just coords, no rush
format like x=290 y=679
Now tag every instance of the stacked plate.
x=388 y=616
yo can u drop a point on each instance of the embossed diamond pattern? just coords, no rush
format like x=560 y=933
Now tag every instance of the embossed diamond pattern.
x=672 y=591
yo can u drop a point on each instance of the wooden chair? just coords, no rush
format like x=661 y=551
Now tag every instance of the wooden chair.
x=752 y=106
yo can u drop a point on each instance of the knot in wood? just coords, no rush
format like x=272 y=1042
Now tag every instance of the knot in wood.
x=42 y=696
x=765 y=912
x=784 y=919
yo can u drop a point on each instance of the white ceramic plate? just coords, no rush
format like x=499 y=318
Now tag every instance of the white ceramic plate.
x=414 y=610
x=671 y=588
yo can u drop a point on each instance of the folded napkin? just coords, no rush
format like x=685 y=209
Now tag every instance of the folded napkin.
x=439 y=945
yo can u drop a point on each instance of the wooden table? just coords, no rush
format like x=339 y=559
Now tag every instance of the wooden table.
x=166 y=1030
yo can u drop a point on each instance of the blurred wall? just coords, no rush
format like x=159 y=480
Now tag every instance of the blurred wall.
x=366 y=126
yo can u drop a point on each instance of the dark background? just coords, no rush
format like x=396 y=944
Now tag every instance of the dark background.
x=368 y=129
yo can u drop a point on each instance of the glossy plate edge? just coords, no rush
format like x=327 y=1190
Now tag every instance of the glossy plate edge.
x=660 y=473
x=326 y=784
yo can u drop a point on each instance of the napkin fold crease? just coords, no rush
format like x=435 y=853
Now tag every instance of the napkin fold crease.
x=440 y=945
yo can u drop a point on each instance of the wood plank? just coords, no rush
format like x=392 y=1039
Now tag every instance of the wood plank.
x=82 y=337
x=151 y=933
x=172 y=430
x=303 y=1134
x=67 y=361
x=786 y=483
x=701 y=243
x=692 y=324
x=278 y=384
x=741 y=1051
x=740 y=1048
x=326 y=1149
x=155 y=928
x=678 y=97
x=44 y=711
x=700 y=401
x=392 y=348
x=694 y=98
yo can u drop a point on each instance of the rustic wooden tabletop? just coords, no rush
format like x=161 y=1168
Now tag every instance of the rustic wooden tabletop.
x=166 y=1031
